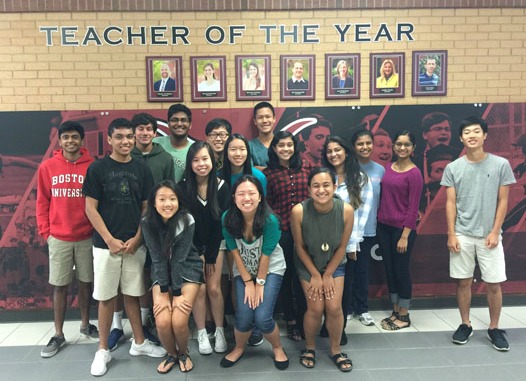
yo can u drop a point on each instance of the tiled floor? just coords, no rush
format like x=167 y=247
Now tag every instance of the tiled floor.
x=422 y=352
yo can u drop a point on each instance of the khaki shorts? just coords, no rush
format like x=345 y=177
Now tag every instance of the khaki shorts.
x=67 y=258
x=491 y=261
x=118 y=270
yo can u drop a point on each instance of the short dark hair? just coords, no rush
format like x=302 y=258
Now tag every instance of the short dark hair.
x=119 y=123
x=470 y=121
x=261 y=105
x=71 y=125
x=216 y=123
x=317 y=170
x=144 y=119
x=433 y=118
x=359 y=133
x=407 y=133
x=179 y=107
x=320 y=122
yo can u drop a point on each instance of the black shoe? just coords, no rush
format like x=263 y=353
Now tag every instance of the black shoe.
x=150 y=336
x=343 y=340
x=498 y=339
x=225 y=363
x=462 y=334
x=323 y=331
x=282 y=365
x=255 y=339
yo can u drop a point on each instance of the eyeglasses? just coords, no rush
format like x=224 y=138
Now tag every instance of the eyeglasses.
x=215 y=135
x=182 y=120
x=406 y=144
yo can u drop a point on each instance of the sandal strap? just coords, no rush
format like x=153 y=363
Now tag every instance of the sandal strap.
x=391 y=326
x=308 y=351
x=404 y=318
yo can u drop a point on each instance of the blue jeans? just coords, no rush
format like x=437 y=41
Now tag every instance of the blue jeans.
x=262 y=317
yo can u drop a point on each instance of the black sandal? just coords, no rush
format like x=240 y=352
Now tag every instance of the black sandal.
x=293 y=332
x=306 y=360
x=390 y=318
x=182 y=363
x=392 y=326
x=343 y=360
x=169 y=361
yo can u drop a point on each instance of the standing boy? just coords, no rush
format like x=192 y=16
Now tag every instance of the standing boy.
x=63 y=223
x=116 y=189
x=264 y=120
x=477 y=201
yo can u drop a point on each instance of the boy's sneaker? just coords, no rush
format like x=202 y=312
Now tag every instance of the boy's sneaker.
x=52 y=347
x=462 y=334
x=146 y=349
x=255 y=339
x=116 y=335
x=98 y=366
x=498 y=339
x=366 y=319
x=90 y=332
x=203 y=342
x=150 y=336
x=220 y=344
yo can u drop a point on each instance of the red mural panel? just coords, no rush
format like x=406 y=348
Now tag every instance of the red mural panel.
x=30 y=137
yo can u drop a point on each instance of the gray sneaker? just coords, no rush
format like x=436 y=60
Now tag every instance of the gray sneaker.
x=90 y=332
x=462 y=334
x=52 y=347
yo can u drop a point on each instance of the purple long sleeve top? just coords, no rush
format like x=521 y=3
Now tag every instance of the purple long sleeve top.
x=400 y=198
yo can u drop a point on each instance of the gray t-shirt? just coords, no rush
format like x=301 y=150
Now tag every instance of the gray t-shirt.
x=477 y=188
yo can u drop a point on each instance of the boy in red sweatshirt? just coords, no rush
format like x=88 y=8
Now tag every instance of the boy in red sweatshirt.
x=63 y=223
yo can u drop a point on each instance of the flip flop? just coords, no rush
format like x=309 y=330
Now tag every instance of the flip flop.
x=182 y=363
x=167 y=365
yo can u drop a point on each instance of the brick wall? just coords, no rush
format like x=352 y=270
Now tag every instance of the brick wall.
x=486 y=47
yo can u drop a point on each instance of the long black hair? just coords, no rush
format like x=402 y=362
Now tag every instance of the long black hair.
x=355 y=179
x=190 y=184
x=273 y=159
x=234 y=221
x=226 y=172
x=155 y=224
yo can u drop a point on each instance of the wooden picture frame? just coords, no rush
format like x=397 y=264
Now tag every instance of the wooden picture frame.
x=337 y=67
x=298 y=77
x=168 y=88
x=208 y=75
x=387 y=75
x=429 y=73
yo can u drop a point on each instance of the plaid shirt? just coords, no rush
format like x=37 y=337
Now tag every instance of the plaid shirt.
x=286 y=188
x=360 y=215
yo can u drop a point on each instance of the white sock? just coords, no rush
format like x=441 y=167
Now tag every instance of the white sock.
x=117 y=320
x=202 y=331
x=145 y=313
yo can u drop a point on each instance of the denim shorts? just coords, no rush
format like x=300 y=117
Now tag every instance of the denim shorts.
x=340 y=271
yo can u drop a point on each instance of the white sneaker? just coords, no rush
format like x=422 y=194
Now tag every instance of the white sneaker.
x=98 y=366
x=366 y=319
x=204 y=342
x=220 y=344
x=146 y=349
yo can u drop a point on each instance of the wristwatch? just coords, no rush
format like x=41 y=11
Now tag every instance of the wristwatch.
x=261 y=282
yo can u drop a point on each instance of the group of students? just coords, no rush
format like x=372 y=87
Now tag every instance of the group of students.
x=289 y=231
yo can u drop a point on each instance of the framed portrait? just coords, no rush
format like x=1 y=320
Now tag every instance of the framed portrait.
x=208 y=78
x=253 y=78
x=429 y=73
x=298 y=77
x=342 y=76
x=387 y=78
x=164 y=79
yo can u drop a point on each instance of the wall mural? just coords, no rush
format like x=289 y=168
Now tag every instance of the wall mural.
x=30 y=137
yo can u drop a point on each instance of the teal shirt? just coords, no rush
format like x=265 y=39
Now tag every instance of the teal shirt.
x=178 y=155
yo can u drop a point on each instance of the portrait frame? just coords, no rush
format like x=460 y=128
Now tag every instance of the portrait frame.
x=262 y=92
x=384 y=89
x=332 y=83
x=174 y=91
x=286 y=68
x=215 y=91
x=424 y=84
